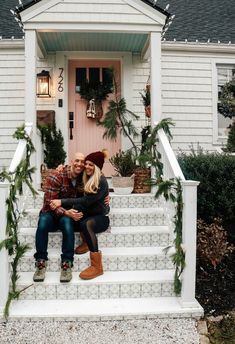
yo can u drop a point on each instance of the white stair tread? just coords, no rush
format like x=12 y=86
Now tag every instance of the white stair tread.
x=34 y=211
x=148 y=276
x=145 y=307
x=114 y=230
x=114 y=251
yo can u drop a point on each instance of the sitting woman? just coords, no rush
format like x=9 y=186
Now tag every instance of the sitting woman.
x=95 y=211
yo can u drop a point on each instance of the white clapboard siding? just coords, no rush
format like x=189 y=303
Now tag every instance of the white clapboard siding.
x=11 y=100
x=187 y=98
x=93 y=11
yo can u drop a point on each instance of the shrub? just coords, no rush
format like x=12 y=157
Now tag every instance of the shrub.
x=53 y=141
x=231 y=139
x=216 y=191
x=212 y=244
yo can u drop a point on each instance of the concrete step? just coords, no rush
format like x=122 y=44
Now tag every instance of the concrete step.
x=117 y=201
x=118 y=217
x=102 y=309
x=117 y=237
x=114 y=259
x=112 y=284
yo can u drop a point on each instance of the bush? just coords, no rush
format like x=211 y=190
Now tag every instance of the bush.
x=212 y=244
x=53 y=141
x=216 y=191
x=123 y=163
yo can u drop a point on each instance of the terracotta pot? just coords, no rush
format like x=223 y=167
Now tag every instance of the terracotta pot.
x=142 y=176
x=148 y=111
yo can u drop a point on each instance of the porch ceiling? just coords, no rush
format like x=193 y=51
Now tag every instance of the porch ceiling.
x=93 y=41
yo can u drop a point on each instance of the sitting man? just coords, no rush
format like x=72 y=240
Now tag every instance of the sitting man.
x=62 y=184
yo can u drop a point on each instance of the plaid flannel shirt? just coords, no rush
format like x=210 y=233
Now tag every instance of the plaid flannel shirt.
x=59 y=185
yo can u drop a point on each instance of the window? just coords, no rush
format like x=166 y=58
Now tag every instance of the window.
x=93 y=76
x=225 y=73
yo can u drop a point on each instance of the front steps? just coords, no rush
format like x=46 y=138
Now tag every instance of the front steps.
x=138 y=274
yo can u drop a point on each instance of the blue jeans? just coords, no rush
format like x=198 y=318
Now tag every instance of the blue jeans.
x=49 y=223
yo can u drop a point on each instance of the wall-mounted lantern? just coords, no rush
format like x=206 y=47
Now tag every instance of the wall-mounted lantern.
x=43 y=84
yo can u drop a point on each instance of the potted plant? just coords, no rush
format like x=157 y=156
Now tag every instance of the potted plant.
x=124 y=165
x=94 y=93
x=54 y=154
x=146 y=99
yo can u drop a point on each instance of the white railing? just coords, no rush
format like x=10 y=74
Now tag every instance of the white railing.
x=4 y=191
x=171 y=169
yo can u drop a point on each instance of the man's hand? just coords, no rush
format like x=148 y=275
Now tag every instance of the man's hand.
x=55 y=203
x=60 y=168
x=74 y=214
x=107 y=200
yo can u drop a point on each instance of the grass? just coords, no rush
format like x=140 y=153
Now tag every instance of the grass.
x=222 y=332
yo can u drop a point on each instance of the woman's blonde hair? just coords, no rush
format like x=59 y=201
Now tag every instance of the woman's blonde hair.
x=91 y=184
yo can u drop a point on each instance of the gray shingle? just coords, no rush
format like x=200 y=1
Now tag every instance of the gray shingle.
x=195 y=20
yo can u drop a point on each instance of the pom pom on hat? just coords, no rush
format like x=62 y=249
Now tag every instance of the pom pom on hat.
x=97 y=158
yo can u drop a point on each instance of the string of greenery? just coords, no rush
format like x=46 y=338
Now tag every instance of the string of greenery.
x=171 y=190
x=15 y=248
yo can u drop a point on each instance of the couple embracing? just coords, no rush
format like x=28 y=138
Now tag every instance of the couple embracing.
x=76 y=198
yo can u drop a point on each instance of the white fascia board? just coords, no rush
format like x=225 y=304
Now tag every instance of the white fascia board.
x=200 y=47
x=36 y=9
x=147 y=10
x=93 y=27
x=11 y=43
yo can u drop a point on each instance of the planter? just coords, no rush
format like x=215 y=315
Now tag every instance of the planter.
x=45 y=172
x=123 y=185
x=148 y=111
x=142 y=175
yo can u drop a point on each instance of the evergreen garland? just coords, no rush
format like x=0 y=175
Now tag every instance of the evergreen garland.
x=171 y=190
x=21 y=176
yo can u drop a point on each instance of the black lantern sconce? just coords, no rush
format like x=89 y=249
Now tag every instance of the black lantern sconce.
x=43 y=84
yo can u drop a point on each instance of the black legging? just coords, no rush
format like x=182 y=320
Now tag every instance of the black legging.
x=90 y=226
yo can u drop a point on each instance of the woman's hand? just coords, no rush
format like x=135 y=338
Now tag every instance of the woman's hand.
x=74 y=214
x=107 y=200
x=55 y=203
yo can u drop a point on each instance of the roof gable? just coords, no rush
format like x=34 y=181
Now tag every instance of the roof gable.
x=94 y=11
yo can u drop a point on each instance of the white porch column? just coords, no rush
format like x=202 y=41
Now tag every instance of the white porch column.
x=189 y=242
x=4 y=268
x=155 y=56
x=30 y=87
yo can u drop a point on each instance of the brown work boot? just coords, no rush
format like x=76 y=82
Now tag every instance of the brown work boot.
x=82 y=248
x=96 y=268
x=40 y=272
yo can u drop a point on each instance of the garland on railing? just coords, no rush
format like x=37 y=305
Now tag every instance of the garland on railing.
x=171 y=190
x=21 y=176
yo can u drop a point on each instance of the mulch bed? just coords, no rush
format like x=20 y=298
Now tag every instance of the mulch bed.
x=215 y=288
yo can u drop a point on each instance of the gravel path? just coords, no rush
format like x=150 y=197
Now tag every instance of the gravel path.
x=159 y=331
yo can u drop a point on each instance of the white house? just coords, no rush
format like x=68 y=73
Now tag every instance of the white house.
x=184 y=51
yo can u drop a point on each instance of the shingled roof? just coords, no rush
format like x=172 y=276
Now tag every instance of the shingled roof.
x=194 y=20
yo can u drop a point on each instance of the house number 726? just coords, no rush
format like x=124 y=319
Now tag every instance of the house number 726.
x=61 y=79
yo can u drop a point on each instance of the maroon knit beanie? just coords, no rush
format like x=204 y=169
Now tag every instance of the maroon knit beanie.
x=97 y=158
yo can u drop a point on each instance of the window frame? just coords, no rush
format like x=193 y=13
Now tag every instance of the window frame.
x=217 y=140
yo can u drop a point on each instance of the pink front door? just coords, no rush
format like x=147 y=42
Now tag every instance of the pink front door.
x=86 y=136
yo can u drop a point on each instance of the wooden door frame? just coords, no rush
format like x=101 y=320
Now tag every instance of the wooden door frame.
x=62 y=61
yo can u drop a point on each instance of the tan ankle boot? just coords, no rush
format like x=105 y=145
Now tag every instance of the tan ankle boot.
x=96 y=268
x=82 y=248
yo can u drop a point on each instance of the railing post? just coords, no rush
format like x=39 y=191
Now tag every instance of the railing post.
x=4 y=268
x=189 y=241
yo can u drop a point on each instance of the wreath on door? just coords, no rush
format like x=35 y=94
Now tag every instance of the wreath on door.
x=94 y=93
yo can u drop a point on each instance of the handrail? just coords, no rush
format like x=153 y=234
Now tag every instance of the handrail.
x=20 y=150
x=172 y=169
x=170 y=155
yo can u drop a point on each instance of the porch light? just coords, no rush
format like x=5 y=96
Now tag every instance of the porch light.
x=43 y=84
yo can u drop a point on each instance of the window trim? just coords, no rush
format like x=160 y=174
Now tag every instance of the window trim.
x=217 y=140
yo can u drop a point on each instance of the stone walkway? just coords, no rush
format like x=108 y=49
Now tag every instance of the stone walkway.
x=157 y=331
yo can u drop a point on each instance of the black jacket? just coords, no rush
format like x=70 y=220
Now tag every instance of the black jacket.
x=90 y=204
